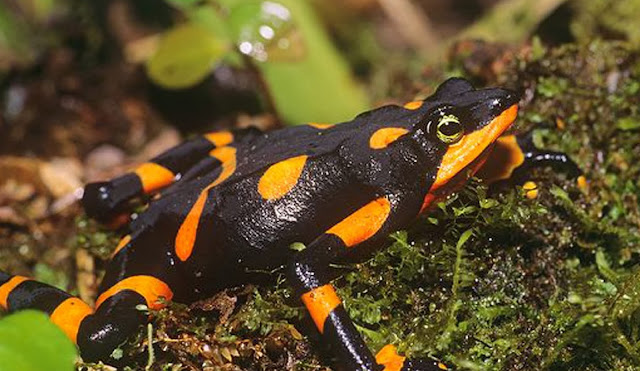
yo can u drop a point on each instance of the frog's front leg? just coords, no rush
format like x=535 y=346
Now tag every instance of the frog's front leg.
x=364 y=229
x=105 y=200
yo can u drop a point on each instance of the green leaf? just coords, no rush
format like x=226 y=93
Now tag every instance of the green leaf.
x=559 y=193
x=29 y=341
x=185 y=56
x=308 y=80
x=297 y=246
x=463 y=238
x=604 y=268
x=628 y=123
x=460 y=211
x=488 y=203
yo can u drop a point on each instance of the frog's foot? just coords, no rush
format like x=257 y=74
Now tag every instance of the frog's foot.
x=392 y=361
x=514 y=156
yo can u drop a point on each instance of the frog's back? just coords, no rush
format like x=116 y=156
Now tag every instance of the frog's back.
x=287 y=186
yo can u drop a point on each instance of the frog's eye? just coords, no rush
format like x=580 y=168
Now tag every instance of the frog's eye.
x=449 y=129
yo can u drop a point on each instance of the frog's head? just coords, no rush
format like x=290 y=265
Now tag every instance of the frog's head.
x=459 y=125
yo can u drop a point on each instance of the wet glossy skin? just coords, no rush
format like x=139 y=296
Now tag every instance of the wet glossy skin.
x=232 y=204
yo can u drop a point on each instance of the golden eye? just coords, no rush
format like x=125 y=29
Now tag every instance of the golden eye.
x=449 y=129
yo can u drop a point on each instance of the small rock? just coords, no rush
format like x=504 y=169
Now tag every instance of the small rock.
x=9 y=216
x=101 y=163
x=61 y=176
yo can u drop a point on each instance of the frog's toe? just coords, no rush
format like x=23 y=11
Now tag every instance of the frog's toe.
x=105 y=200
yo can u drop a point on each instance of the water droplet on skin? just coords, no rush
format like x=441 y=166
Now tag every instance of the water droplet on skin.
x=172 y=261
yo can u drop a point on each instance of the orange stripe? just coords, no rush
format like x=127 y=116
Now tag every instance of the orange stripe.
x=8 y=286
x=68 y=316
x=186 y=237
x=320 y=302
x=363 y=223
x=149 y=287
x=389 y=358
x=505 y=157
x=227 y=156
x=281 y=177
x=414 y=105
x=219 y=138
x=320 y=126
x=123 y=242
x=385 y=136
x=154 y=176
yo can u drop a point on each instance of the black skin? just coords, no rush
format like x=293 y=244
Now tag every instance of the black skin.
x=239 y=232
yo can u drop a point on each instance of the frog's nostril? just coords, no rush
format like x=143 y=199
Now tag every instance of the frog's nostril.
x=511 y=98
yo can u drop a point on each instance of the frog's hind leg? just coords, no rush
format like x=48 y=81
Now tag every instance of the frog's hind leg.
x=129 y=283
x=105 y=200
x=65 y=310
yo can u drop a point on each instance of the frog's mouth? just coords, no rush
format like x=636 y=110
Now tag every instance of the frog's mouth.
x=462 y=160
x=458 y=180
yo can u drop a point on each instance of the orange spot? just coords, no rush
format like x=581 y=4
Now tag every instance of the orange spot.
x=8 y=286
x=320 y=126
x=320 y=302
x=560 y=124
x=385 y=136
x=531 y=190
x=123 y=242
x=219 y=138
x=363 y=223
x=149 y=287
x=186 y=237
x=281 y=177
x=414 y=105
x=153 y=176
x=582 y=182
x=442 y=366
x=471 y=146
x=389 y=358
x=68 y=316
x=503 y=160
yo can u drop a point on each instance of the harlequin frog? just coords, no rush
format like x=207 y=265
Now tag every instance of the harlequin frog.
x=232 y=203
